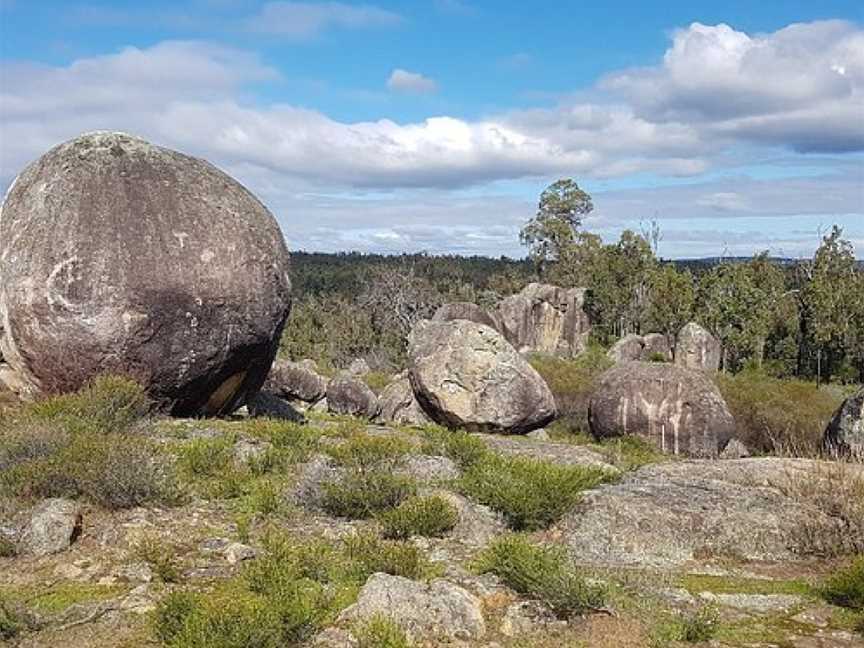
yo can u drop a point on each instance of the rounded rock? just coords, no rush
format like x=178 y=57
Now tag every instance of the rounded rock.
x=119 y=256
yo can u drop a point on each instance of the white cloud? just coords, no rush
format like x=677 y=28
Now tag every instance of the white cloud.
x=800 y=87
x=303 y=20
x=404 y=81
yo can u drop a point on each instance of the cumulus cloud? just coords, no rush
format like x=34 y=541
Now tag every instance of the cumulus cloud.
x=404 y=81
x=302 y=20
x=801 y=86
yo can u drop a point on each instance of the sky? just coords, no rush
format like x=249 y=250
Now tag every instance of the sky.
x=433 y=125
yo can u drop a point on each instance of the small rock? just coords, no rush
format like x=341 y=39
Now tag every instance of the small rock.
x=268 y=405
x=428 y=469
x=139 y=572
x=359 y=367
x=68 y=571
x=249 y=450
x=347 y=395
x=761 y=603
x=819 y=616
x=735 y=450
x=237 y=552
x=333 y=638
x=438 y=609
x=296 y=381
x=214 y=544
x=525 y=617
x=309 y=491
x=539 y=435
x=139 y=601
x=54 y=525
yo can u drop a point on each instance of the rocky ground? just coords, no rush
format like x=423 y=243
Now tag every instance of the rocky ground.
x=738 y=546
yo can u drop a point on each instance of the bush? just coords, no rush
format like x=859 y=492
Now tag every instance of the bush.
x=371 y=555
x=292 y=442
x=699 y=626
x=785 y=417
x=457 y=445
x=160 y=557
x=358 y=496
x=530 y=493
x=572 y=382
x=363 y=452
x=377 y=380
x=171 y=615
x=430 y=516
x=380 y=632
x=543 y=573
x=206 y=457
x=846 y=587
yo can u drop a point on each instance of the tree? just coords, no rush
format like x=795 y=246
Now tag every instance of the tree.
x=672 y=297
x=553 y=229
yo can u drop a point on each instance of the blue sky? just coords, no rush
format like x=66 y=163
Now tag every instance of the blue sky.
x=433 y=125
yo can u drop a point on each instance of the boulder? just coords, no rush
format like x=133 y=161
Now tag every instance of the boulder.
x=466 y=375
x=358 y=367
x=627 y=349
x=656 y=348
x=439 y=610
x=122 y=257
x=735 y=450
x=465 y=311
x=54 y=525
x=696 y=348
x=268 y=405
x=296 y=381
x=679 y=410
x=347 y=395
x=398 y=404
x=844 y=435
x=545 y=319
x=669 y=514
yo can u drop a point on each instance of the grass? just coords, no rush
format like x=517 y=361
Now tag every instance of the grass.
x=845 y=587
x=530 y=493
x=431 y=516
x=464 y=449
x=786 y=417
x=380 y=632
x=285 y=596
x=542 y=573
x=377 y=381
x=572 y=382
x=54 y=598
x=690 y=627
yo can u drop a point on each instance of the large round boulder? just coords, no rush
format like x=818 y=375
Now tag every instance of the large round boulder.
x=349 y=395
x=845 y=433
x=679 y=410
x=296 y=381
x=466 y=375
x=399 y=405
x=696 y=348
x=465 y=311
x=118 y=256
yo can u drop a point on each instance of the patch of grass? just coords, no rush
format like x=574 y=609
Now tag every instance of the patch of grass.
x=695 y=583
x=206 y=457
x=264 y=497
x=364 y=452
x=292 y=442
x=377 y=381
x=380 y=632
x=465 y=450
x=57 y=597
x=572 y=382
x=398 y=558
x=161 y=558
x=845 y=587
x=530 y=493
x=630 y=452
x=778 y=416
x=689 y=627
x=543 y=573
x=431 y=516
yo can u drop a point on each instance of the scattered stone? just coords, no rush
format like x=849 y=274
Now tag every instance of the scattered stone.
x=545 y=319
x=265 y=404
x=399 y=406
x=139 y=260
x=466 y=311
x=466 y=375
x=735 y=450
x=296 y=381
x=844 y=435
x=135 y=572
x=678 y=410
x=667 y=515
x=538 y=435
x=237 y=552
x=697 y=349
x=439 y=609
x=54 y=525
x=525 y=617
x=347 y=395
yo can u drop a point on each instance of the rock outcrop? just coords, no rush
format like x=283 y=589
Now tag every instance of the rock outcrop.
x=545 y=319
x=466 y=375
x=118 y=256
x=632 y=347
x=348 y=395
x=439 y=610
x=296 y=381
x=398 y=404
x=466 y=311
x=669 y=514
x=844 y=435
x=696 y=348
x=679 y=410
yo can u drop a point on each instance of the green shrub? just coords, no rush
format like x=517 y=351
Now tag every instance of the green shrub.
x=363 y=452
x=431 y=516
x=292 y=442
x=377 y=381
x=540 y=572
x=160 y=556
x=380 y=632
x=206 y=457
x=457 y=445
x=362 y=495
x=11 y=624
x=171 y=614
x=530 y=493
x=846 y=587
x=699 y=626
x=778 y=416
x=658 y=357
x=630 y=452
x=371 y=555
x=572 y=382
x=264 y=497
